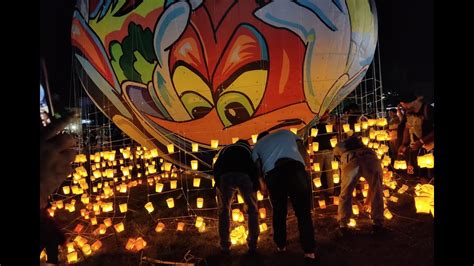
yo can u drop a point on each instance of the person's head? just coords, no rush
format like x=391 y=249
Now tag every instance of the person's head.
x=244 y=142
x=262 y=134
x=392 y=113
x=411 y=101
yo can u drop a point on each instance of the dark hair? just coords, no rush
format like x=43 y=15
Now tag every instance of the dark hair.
x=243 y=141
x=262 y=134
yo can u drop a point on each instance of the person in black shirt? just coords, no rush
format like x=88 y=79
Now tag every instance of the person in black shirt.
x=235 y=169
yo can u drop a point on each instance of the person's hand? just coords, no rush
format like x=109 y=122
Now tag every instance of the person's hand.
x=402 y=150
x=428 y=146
x=416 y=145
x=56 y=156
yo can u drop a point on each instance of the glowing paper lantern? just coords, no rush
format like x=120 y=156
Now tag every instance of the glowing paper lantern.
x=336 y=200
x=194 y=164
x=119 y=227
x=263 y=213
x=180 y=226
x=96 y=245
x=263 y=227
x=199 y=203
x=317 y=182
x=322 y=204
x=335 y=165
x=240 y=199
x=357 y=127
x=235 y=215
x=173 y=184
x=346 y=128
x=336 y=178
x=333 y=142
x=170 y=203
x=388 y=215
x=159 y=227
x=314 y=132
x=254 y=138
x=352 y=222
x=259 y=196
x=355 y=209
x=329 y=128
x=199 y=221
x=196 y=182
x=316 y=167
x=149 y=207
x=170 y=148
x=159 y=187
x=315 y=146
x=72 y=257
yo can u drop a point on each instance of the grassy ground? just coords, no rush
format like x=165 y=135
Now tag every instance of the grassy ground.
x=409 y=241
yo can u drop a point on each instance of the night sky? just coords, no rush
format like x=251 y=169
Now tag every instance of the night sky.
x=405 y=36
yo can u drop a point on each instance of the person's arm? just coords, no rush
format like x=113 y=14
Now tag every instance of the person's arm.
x=303 y=152
x=260 y=176
x=56 y=156
x=405 y=140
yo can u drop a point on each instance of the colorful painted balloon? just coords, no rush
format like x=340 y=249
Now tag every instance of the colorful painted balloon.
x=183 y=72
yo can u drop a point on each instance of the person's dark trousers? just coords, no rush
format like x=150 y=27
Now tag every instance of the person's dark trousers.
x=290 y=179
x=50 y=237
x=229 y=183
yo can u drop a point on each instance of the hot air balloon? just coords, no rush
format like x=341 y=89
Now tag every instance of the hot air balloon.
x=188 y=72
